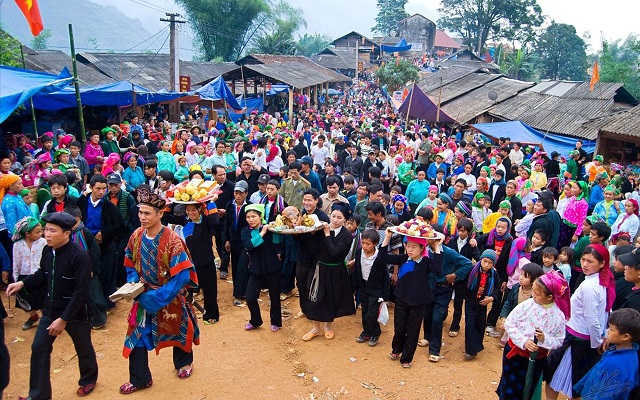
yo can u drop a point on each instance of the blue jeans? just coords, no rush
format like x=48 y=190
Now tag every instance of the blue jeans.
x=434 y=316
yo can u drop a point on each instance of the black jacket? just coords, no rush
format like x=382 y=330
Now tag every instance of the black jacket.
x=378 y=284
x=51 y=205
x=263 y=259
x=503 y=258
x=309 y=243
x=472 y=253
x=229 y=233
x=67 y=278
x=413 y=286
x=112 y=222
x=501 y=193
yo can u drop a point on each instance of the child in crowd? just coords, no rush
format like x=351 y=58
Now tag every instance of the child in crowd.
x=349 y=187
x=431 y=200
x=599 y=233
x=443 y=216
x=523 y=225
x=59 y=198
x=549 y=259
x=373 y=284
x=27 y=197
x=538 y=240
x=619 y=364
x=504 y=210
x=565 y=261
x=479 y=211
x=482 y=289
x=623 y=287
x=535 y=325
x=28 y=244
x=182 y=172
x=519 y=256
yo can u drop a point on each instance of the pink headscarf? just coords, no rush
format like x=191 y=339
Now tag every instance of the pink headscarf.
x=420 y=241
x=559 y=288
x=605 y=275
x=516 y=253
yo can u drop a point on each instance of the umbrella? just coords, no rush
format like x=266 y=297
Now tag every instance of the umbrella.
x=528 y=380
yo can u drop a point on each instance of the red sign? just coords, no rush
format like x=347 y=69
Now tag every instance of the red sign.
x=185 y=83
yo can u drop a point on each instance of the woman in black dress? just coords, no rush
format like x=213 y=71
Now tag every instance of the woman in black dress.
x=330 y=294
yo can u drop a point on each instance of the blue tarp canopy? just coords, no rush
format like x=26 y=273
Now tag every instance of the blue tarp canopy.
x=251 y=104
x=277 y=88
x=17 y=85
x=400 y=46
x=422 y=107
x=521 y=132
x=113 y=94
x=217 y=89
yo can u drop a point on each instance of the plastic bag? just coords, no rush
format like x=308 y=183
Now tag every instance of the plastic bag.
x=383 y=312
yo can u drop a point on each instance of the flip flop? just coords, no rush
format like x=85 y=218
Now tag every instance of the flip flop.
x=328 y=334
x=310 y=335
x=406 y=365
x=434 y=358
x=275 y=328
x=184 y=373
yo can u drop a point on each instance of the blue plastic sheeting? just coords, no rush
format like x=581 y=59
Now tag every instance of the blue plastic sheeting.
x=277 y=88
x=422 y=107
x=521 y=132
x=113 y=94
x=252 y=104
x=17 y=85
x=401 y=46
x=217 y=89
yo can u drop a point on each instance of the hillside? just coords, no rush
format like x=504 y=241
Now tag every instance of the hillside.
x=111 y=29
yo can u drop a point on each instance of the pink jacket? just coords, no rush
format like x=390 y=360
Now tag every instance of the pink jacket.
x=576 y=212
x=91 y=152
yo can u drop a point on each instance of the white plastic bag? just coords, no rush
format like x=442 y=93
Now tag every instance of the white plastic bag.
x=383 y=312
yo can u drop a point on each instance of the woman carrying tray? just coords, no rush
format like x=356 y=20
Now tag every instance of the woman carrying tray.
x=330 y=293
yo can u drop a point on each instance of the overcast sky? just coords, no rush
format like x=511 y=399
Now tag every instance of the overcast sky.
x=614 y=19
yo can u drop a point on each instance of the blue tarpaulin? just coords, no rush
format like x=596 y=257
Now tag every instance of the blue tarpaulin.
x=277 y=88
x=217 y=89
x=251 y=104
x=113 y=94
x=17 y=85
x=521 y=132
x=400 y=46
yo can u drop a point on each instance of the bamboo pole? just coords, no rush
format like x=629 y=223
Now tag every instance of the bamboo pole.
x=83 y=135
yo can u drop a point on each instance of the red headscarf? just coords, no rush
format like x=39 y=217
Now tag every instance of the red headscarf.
x=559 y=288
x=635 y=206
x=605 y=275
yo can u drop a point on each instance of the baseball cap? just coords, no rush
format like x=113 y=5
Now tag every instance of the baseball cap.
x=241 y=186
x=306 y=160
x=264 y=178
x=631 y=259
x=114 y=178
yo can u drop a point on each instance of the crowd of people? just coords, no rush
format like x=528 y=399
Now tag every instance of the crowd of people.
x=537 y=250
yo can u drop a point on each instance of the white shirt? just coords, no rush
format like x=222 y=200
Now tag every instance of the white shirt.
x=26 y=261
x=588 y=315
x=367 y=263
x=471 y=183
x=319 y=154
x=516 y=157
x=526 y=317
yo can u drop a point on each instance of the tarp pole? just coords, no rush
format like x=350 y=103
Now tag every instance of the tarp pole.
x=291 y=105
x=83 y=135
x=439 y=102
x=33 y=111
x=409 y=109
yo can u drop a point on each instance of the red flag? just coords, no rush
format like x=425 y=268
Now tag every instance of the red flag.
x=595 y=76
x=31 y=12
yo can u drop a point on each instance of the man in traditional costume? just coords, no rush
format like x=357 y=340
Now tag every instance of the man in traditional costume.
x=160 y=316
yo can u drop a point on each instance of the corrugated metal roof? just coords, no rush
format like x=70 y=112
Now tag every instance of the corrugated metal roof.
x=338 y=59
x=461 y=86
x=621 y=123
x=560 y=88
x=542 y=86
x=476 y=102
x=150 y=70
x=53 y=61
x=444 y=76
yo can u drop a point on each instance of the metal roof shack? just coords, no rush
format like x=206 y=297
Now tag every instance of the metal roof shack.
x=618 y=135
x=339 y=59
x=564 y=107
x=54 y=61
x=150 y=71
x=466 y=58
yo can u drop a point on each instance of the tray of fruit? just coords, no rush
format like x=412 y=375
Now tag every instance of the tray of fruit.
x=289 y=222
x=417 y=227
x=193 y=192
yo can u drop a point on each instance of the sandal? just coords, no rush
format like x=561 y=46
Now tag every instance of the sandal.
x=275 y=328
x=423 y=342
x=406 y=365
x=394 y=356
x=328 y=334
x=128 y=388
x=453 y=333
x=85 y=389
x=184 y=373
x=284 y=296
x=249 y=327
x=210 y=321
x=434 y=358
x=310 y=335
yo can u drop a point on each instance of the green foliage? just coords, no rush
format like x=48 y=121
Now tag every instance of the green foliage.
x=41 y=42
x=395 y=74
x=390 y=12
x=9 y=50
x=479 y=20
x=276 y=36
x=309 y=45
x=562 y=53
x=519 y=64
x=92 y=42
x=223 y=28
x=620 y=62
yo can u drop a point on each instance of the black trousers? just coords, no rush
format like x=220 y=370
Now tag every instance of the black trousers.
x=40 y=379
x=96 y=304
x=4 y=360
x=288 y=273
x=496 y=307
x=222 y=253
x=139 y=372
x=108 y=271
x=121 y=273
x=209 y=285
x=304 y=270
x=434 y=315
x=370 y=306
x=272 y=282
x=459 y=289
x=406 y=325
x=239 y=269
x=475 y=322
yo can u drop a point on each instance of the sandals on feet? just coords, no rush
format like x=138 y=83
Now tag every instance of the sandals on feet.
x=185 y=372
x=128 y=388
x=85 y=389
x=423 y=342
x=434 y=358
x=249 y=327
x=406 y=365
x=453 y=333
x=275 y=328
x=394 y=356
x=328 y=334
x=310 y=335
x=210 y=321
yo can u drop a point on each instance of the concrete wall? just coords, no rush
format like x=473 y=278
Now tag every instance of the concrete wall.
x=418 y=29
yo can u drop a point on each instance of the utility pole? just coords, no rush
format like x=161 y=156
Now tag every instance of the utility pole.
x=174 y=66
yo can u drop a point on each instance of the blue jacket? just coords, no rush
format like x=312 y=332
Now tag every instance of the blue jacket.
x=452 y=263
x=613 y=377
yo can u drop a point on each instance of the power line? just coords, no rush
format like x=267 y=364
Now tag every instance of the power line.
x=151 y=6
x=151 y=60
x=157 y=33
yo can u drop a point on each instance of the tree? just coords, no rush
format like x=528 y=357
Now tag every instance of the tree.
x=479 y=20
x=563 y=54
x=620 y=62
x=276 y=36
x=41 y=42
x=520 y=64
x=390 y=12
x=223 y=28
x=92 y=43
x=9 y=50
x=309 y=45
x=395 y=74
